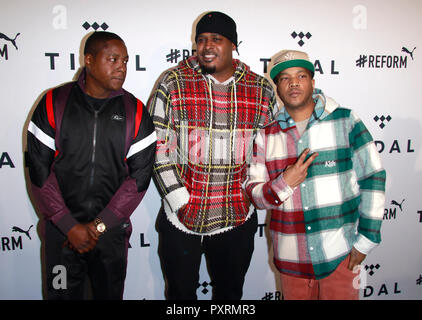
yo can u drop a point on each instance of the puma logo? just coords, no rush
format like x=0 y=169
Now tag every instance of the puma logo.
x=13 y=41
x=394 y=202
x=17 y=229
x=404 y=49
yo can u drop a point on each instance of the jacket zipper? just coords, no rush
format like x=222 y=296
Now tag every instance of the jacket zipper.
x=94 y=142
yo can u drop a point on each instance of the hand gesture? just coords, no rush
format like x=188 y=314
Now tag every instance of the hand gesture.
x=295 y=174
x=81 y=239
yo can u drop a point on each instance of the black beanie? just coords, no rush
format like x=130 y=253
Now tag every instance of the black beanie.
x=217 y=22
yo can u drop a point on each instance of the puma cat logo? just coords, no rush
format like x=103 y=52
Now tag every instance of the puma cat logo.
x=17 y=229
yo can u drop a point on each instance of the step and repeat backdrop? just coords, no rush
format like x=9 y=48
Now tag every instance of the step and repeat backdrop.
x=368 y=57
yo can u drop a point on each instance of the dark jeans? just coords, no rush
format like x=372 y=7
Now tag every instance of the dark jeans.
x=105 y=266
x=228 y=257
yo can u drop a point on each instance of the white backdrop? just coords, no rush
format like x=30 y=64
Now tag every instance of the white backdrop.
x=358 y=51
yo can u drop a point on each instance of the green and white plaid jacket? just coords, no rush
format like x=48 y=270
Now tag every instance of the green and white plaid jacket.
x=340 y=205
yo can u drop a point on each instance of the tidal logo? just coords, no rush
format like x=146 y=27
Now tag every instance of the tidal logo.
x=5 y=160
x=95 y=26
x=143 y=243
x=371 y=268
x=382 y=119
x=4 y=51
x=54 y=55
x=204 y=285
x=420 y=215
x=384 y=290
x=301 y=35
x=261 y=229
x=394 y=147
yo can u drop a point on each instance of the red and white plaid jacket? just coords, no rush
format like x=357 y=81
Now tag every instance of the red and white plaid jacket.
x=205 y=132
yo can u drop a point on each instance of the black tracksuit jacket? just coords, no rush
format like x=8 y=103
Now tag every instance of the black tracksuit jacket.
x=92 y=174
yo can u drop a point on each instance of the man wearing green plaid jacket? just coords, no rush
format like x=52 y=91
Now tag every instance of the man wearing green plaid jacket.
x=317 y=169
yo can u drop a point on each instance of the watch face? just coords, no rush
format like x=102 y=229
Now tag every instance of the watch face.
x=101 y=227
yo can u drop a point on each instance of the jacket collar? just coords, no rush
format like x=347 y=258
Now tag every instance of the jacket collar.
x=323 y=107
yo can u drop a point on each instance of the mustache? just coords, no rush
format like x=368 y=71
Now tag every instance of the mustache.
x=207 y=52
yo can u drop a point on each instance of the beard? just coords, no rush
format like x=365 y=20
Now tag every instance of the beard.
x=207 y=70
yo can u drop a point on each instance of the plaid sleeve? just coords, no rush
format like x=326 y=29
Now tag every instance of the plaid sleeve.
x=272 y=108
x=264 y=192
x=167 y=172
x=371 y=179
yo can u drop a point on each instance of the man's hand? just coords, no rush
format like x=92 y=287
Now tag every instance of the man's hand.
x=92 y=229
x=81 y=239
x=356 y=258
x=295 y=174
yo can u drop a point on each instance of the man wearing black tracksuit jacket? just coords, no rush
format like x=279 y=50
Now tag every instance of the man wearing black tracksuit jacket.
x=90 y=168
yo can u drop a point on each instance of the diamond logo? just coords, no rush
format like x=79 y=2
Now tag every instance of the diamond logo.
x=204 y=286
x=301 y=35
x=382 y=119
x=95 y=26
x=372 y=267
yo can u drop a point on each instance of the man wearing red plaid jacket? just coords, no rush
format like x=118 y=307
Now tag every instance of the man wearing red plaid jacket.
x=206 y=111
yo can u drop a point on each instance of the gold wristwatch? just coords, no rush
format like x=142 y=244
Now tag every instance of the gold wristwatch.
x=100 y=226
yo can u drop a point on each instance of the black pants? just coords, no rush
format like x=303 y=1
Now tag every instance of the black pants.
x=67 y=270
x=228 y=257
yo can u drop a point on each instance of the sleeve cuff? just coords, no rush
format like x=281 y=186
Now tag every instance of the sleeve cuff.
x=109 y=218
x=65 y=223
x=281 y=188
x=177 y=198
x=364 y=245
